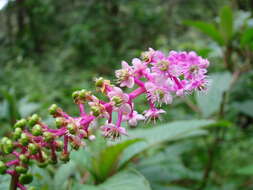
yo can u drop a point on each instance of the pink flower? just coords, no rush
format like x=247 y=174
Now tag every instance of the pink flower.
x=124 y=75
x=139 y=68
x=153 y=114
x=120 y=100
x=133 y=118
x=112 y=131
x=159 y=90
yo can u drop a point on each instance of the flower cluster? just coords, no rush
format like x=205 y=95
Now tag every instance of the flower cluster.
x=158 y=76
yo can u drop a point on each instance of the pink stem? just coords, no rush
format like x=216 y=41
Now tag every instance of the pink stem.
x=81 y=109
x=65 y=148
x=139 y=82
x=137 y=92
x=120 y=115
x=12 y=162
x=20 y=186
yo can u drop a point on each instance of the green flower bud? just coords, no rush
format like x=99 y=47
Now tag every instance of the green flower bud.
x=8 y=146
x=75 y=95
x=20 y=124
x=17 y=133
x=48 y=137
x=33 y=120
x=24 y=139
x=21 y=169
x=44 y=162
x=3 y=167
x=64 y=157
x=59 y=145
x=25 y=178
x=53 y=109
x=53 y=162
x=33 y=148
x=75 y=146
x=117 y=100
x=59 y=122
x=71 y=128
x=99 y=82
x=95 y=111
x=37 y=130
x=24 y=159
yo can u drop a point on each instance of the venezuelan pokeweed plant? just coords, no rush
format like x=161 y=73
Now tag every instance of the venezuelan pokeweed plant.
x=158 y=76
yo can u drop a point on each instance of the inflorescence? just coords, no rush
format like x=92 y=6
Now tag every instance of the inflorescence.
x=160 y=77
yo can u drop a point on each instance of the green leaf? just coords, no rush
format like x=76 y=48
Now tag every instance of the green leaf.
x=125 y=180
x=245 y=107
x=209 y=103
x=62 y=175
x=164 y=133
x=226 y=23
x=248 y=170
x=106 y=163
x=247 y=38
x=208 y=29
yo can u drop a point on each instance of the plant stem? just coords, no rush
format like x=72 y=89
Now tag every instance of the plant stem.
x=14 y=182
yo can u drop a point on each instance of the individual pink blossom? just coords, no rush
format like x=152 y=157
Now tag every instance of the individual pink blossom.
x=124 y=75
x=133 y=118
x=153 y=114
x=112 y=131
x=139 y=68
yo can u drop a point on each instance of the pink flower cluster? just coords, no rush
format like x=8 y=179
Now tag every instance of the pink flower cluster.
x=158 y=76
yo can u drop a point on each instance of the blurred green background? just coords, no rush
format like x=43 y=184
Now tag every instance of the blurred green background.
x=50 y=48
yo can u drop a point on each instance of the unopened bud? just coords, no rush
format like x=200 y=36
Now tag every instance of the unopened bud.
x=3 y=167
x=33 y=148
x=64 y=157
x=24 y=159
x=58 y=145
x=25 y=178
x=99 y=82
x=17 y=133
x=53 y=109
x=48 y=137
x=37 y=130
x=21 y=169
x=24 y=139
x=59 y=121
x=20 y=124
x=72 y=128
x=33 y=120
x=95 y=111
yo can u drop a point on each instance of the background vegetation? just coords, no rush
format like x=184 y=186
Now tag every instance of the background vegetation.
x=50 y=48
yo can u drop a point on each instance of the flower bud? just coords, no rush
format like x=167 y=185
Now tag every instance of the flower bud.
x=59 y=145
x=59 y=121
x=21 y=169
x=72 y=128
x=24 y=139
x=3 y=167
x=25 y=178
x=95 y=111
x=33 y=120
x=117 y=100
x=37 y=130
x=8 y=146
x=64 y=157
x=24 y=159
x=75 y=145
x=17 y=133
x=20 y=124
x=48 y=137
x=99 y=82
x=53 y=109
x=75 y=95
x=33 y=148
